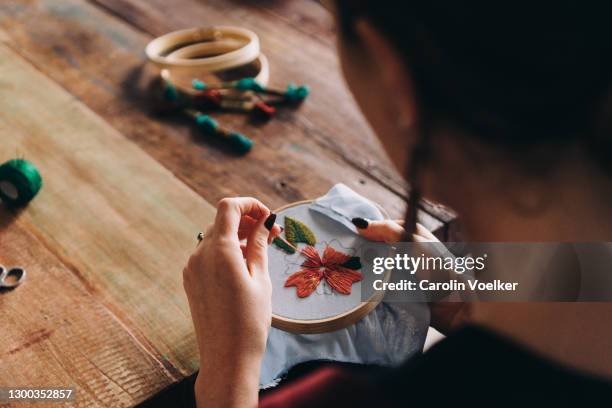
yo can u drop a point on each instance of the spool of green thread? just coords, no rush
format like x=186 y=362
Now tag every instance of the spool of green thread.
x=20 y=181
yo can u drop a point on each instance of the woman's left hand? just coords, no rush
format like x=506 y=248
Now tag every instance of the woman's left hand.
x=229 y=293
x=445 y=316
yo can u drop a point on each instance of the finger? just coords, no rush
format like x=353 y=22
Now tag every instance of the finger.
x=208 y=229
x=425 y=233
x=246 y=225
x=274 y=232
x=243 y=248
x=257 y=249
x=230 y=212
x=421 y=230
x=207 y=234
x=420 y=238
x=383 y=231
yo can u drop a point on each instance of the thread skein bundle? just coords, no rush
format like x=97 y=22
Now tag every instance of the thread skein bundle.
x=20 y=181
x=239 y=142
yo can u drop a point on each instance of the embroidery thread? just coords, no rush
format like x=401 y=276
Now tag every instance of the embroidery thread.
x=295 y=231
x=283 y=245
x=337 y=268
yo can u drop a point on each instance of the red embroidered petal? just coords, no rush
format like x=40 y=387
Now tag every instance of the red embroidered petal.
x=306 y=281
x=332 y=257
x=313 y=260
x=341 y=279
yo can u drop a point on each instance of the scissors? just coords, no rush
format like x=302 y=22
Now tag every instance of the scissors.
x=11 y=278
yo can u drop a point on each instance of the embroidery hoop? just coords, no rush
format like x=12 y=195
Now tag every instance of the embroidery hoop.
x=244 y=45
x=328 y=324
x=262 y=77
x=196 y=52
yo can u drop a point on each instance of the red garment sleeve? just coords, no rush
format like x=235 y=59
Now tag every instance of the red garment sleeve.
x=329 y=386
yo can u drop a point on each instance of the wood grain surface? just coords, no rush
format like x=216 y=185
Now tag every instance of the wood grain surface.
x=125 y=190
x=97 y=54
x=117 y=219
x=57 y=334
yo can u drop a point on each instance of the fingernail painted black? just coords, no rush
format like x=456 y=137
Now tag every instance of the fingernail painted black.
x=360 y=223
x=269 y=223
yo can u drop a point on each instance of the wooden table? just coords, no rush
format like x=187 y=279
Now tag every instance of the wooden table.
x=124 y=192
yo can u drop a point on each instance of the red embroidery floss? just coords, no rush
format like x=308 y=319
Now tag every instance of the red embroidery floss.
x=331 y=268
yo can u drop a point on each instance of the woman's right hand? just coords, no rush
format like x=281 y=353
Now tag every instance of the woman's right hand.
x=229 y=292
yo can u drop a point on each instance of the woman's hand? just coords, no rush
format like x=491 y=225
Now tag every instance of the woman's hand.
x=445 y=316
x=390 y=231
x=229 y=293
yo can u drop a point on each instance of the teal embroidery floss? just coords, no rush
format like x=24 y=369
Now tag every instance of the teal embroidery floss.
x=293 y=93
x=206 y=123
x=20 y=181
x=198 y=85
x=171 y=94
x=237 y=141
x=249 y=84
x=296 y=93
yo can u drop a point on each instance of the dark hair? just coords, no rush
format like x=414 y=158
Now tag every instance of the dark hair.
x=517 y=75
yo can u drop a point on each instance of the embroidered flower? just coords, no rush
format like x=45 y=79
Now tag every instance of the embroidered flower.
x=337 y=268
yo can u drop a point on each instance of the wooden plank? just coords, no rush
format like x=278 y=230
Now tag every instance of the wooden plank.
x=99 y=59
x=330 y=118
x=309 y=17
x=299 y=38
x=56 y=334
x=119 y=220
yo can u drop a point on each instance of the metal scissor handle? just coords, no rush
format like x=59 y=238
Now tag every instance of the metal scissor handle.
x=18 y=274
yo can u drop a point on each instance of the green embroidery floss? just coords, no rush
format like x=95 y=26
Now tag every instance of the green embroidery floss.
x=283 y=245
x=296 y=231
x=20 y=181
x=198 y=85
x=171 y=94
x=249 y=84
x=237 y=141
x=296 y=93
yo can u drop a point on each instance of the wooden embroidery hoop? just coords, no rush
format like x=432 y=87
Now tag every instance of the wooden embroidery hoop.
x=200 y=52
x=262 y=76
x=333 y=323
x=242 y=45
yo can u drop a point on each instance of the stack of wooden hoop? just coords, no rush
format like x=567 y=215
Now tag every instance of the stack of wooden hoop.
x=199 y=51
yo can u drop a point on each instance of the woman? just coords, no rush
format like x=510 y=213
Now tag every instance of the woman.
x=502 y=112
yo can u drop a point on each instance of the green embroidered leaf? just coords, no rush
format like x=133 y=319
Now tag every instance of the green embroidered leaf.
x=353 y=263
x=296 y=231
x=282 y=245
